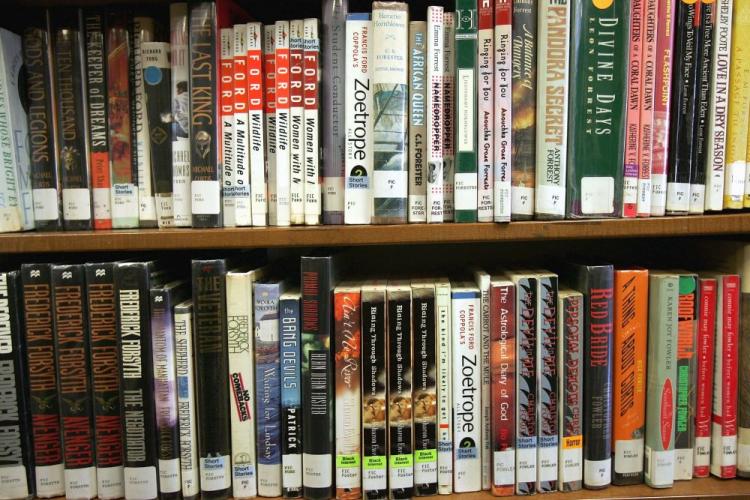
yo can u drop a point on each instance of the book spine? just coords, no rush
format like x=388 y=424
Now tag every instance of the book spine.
x=42 y=380
x=374 y=409
x=547 y=387
x=311 y=83
x=632 y=166
x=96 y=86
x=425 y=392
x=291 y=398
x=17 y=478
x=503 y=108
x=648 y=92
x=74 y=175
x=281 y=174
x=297 y=116
x=333 y=43
x=523 y=121
x=185 y=370
x=157 y=79
x=165 y=388
x=661 y=380
x=226 y=124
x=435 y=113
x=526 y=386
x=665 y=33
x=205 y=174
x=718 y=105
x=735 y=183
x=485 y=110
x=595 y=176
x=444 y=387
x=240 y=160
x=267 y=388
x=628 y=396
x=358 y=119
x=390 y=177
x=43 y=153
x=552 y=109
x=181 y=200
x=105 y=377
x=704 y=375
x=465 y=177
x=724 y=416
x=347 y=341
x=417 y=124
x=269 y=89
x=256 y=123
x=483 y=283
x=570 y=360
x=212 y=377
x=137 y=380
x=684 y=436
x=449 y=112
x=743 y=431
x=503 y=392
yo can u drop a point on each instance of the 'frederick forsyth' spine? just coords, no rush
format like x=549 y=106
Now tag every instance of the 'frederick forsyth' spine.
x=358 y=120
x=105 y=377
x=449 y=112
x=704 y=375
x=240 y=190
x=205 y=173
x=632 y=168
x=297 y=121
x=291 y=395
x=42 y=380
x=435 y=114
x=684 y=432
x=444 y=387
x=311 y=82
x=269 y=103
x=227 y=161
x=256 y=123
x=417 y=124
x=552 y=109
x=547 y=387
x=503 y=108
x=648 y=93
x=181 y=200
x=185 y=369
x=280 y=176
x=485 y=111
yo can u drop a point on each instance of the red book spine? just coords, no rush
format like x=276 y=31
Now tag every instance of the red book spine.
x=727 y=374
x=705 y=376
x=226 y=109
x=648 y=74
x=633 y=115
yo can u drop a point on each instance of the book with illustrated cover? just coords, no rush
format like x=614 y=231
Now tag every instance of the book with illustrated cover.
x=647 y=105
x=687 y=323
x=279 y=177
x=256 y=123
x=503 y=108
x=181 y=201
x=444 y=388
x=226 y=124
x=435 y=113
x=735 y=160
x=449 y=112
x=485 y=110
x=296 y=121
x=632 y=168
x=185 y=372
x=704 y=375
x=269 y=103
x=312 y=80
x=547 y=386
x=240 y=191
x=291 y=395
x=417 y=125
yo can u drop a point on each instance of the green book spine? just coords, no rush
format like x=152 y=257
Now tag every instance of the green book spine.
x=465 y=180
x=599 y=51
x=687 y=330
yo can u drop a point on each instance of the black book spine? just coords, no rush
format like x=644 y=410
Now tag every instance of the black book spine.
x=132 y=284
x=705 y=58
x=425 y=394
x=526 y=387
x=44 y=179
x=212 y=376
x=682 y=144
x=317 y=376
x=291 y=397
x=204 y=157
x=105 y=375
x=17 y=478
x=71 y=129
x=73 y=380
x=42 y=366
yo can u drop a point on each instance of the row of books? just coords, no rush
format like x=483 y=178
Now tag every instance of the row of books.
x=281 y=379
x=472 y=115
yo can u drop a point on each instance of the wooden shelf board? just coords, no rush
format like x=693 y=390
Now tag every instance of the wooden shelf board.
x=306 y=236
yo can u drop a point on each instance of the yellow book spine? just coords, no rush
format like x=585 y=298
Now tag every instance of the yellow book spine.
x=739 y=107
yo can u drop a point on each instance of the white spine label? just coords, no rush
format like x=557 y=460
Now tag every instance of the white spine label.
x=504 y=464
x=661 y=467
x=80 y=483
x=169 y=476
x=318 y=470
x=102 y=198
x=465 y=191
x=629 y=456
x=141 y=483
x=743 y=455
x=390 y=183
x=110 y=482
x=702 y=456
x=374 y=478
x=76 y=204
x=50 y=480
x=124 y=201
x=550 y=199
x=523 y=200
x=401 y=476
x=526 y=464
x=597 y=472
x=206 y=197
x=678 y=196
x=45 y=204
x=572 y=465
x=597 y=195
x=215 y=474
x=547 y=462
x=291 y=470
x=13 y=482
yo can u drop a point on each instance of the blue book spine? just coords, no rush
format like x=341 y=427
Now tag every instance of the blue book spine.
x=291 y=396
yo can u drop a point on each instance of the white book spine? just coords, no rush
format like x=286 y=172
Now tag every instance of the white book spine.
x=180 y=115
x=282 y=174
x=226 y=111
x=183 y=329
x=503 y=107
x=445 y=389
x=240 y=190
x=449 y=112
x=256 y=139
x=467 y=467
x=435 y=113
x=143 y=31
x=269 y=88
x=486 y=114
x=313 y=208
x=297 y=116
x=483 y=282
x=358 y=118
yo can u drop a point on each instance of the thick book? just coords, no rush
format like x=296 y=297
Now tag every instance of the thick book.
x=570 y=393
x=485 y=110
x=523 y=120
x=503 y=385
x=628 y=374
x=743 y=403
x=42 y=379
x=318 y=278
x=280 y=176
x=444 y=386
x=347 y=310
x=400 y=410
x=449 y=112
x=256 y=123
x=374 y=375
x=465 y=177
x=547 y=386
x=687 y=323
x=647 y=105
x=552 y=109
x=312 y=81
x=205 y=173
x=240 y=160
x=16 y=466
x=661 y=379
x=269 y=113
x=735 y=160
x=333 y=43
x=132 y=285
x=503 y=109
x=212 y=376
x=424 y=387
x=390 y=90
x=599 y=47
x=297 y=121
x=291 y=394
x=45 y=188
x=417 y=125
x=180 y=131
x=185 y=372
x=226 y=124
x=358 y=120
x=105 y=377
x=704 y=369
x=482 y=280
x=467 y=360
x=435 y=114
x=631 y=168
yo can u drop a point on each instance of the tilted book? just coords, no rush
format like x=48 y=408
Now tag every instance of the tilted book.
x=735 y=177
x=417 y=124
x=435 y=114
x=291 y=394
x=444 y=386
x=296 y=121
x=485 y=110
x=256 y=123
x=503 y=108
x=631 y=170
x=185 y=372
x=181 y=201
x=312 y=81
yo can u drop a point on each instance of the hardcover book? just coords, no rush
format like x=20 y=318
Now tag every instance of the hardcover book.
x=181 y=199
x=684 y=432
x=435 y=113
x=312 y=81
x=547 y=385
x=417 y=124
x=296 y=121
x=735 y=180
x=291 y=395
x=704 y=375
x=482 y=280
x=503 y=108
x=444 y=388
x=485 y=110
x=185 y=371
